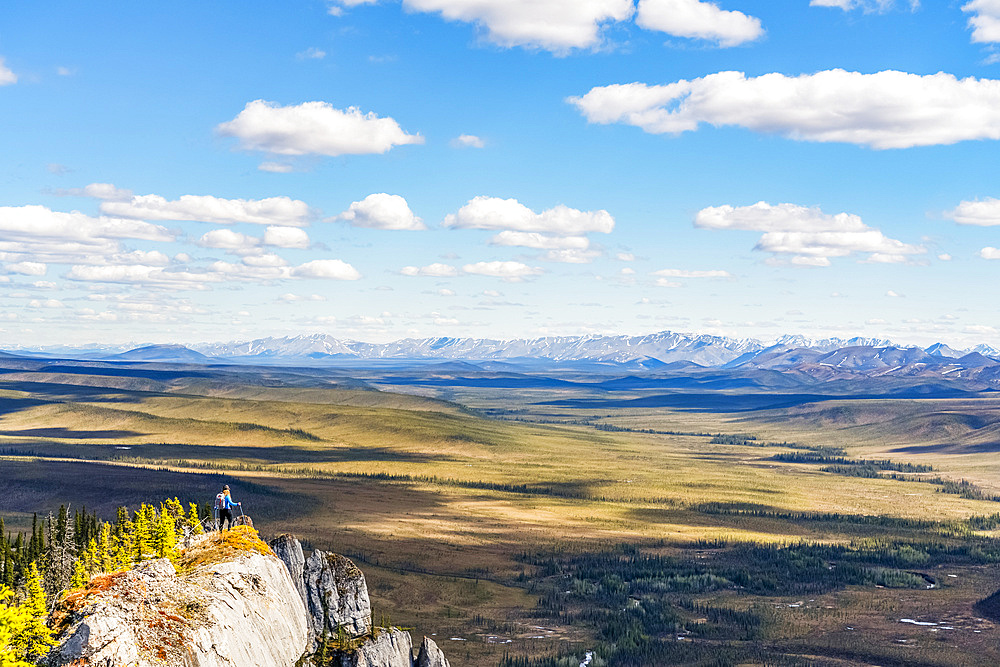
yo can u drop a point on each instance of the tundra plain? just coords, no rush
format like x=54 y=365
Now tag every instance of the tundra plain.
x=529 y=519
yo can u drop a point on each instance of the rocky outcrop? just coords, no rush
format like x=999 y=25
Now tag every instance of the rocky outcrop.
x=332 y=587
x=231 y=602
x=232 y=607
x=430 y=655
x=336 y=595
x=387 y=647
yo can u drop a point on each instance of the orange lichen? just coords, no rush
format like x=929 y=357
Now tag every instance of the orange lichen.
x=222 y=545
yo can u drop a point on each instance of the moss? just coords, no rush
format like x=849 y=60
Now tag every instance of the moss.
x=221 y=546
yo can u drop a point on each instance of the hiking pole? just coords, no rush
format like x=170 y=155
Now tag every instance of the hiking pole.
x=243 y=517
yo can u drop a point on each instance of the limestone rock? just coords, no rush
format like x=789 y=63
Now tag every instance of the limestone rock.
x=288 y=549
x=389 y=647
x=336 y=595
x=430 y=655
x=242 y=611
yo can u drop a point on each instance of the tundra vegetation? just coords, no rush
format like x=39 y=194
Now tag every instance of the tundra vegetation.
x=519 y=528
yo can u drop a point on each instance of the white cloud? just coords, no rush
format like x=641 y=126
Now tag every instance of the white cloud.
x=293 y=298
x=446 y=292
x=540 y=241
x=227 y=239
x=44 y=284
x=206 y=208
x=990 y=252
x=944 y=257
x=865 y=5
x=35 y=222
x=680 y=273
x=104 y=191
x=663 y=282
x=509 y=214
x=431 y=270
x=982 y=212
x=554 y=25
x=312 y=53
x=276 y=167
x=331 y=269
x=985 y=20
x=509 y=271
x=699 y=20
x=142 y=275
x=314 y=128
x=264 y=261
x=7 y=77
x=467 y=141
x=286 y=237
x=382 y=211
x=27 y=268
x=572 y=256
x=46 y=303
x=887 y=109
x=810 y=235
x=625 y=257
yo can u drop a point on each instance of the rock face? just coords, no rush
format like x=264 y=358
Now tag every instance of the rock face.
x=242 y=611
x=389 y=647
x=288 y=549
x=430 y=655
x=332 y=587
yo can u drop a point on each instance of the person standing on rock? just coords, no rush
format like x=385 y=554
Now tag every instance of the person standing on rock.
x=224 y=503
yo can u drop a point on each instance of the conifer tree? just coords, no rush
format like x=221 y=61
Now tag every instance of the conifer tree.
x=13 y=620
x=34 y=638
x=193 y=521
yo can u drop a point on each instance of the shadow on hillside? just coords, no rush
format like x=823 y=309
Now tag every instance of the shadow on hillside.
x=70 y=434
x=949 y=448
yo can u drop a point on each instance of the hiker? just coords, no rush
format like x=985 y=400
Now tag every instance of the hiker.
x=224 y=503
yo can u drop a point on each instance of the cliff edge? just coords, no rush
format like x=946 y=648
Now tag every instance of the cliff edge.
x=230 y=600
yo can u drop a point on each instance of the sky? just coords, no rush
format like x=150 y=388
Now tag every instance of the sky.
x=189 y=172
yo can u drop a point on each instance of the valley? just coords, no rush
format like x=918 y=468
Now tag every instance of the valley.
x=509 y=514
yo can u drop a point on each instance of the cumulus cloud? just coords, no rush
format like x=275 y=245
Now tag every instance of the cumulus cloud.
x=990 y=252
x=985 y=20
x=509 y=214
x=540 y=241
x=27 y=268
x=808 y=234
x=431 y=270
x=887 y=109
x=314 y=128
x=275 y=167
x=286 y=237
x=680 y=273
x=571 y=256
x=382 y=211
x=227 y=239
x=206 y=208
x=38 y=234
x=981 y=212
x=508 y=271
x=699 y=20
x=554 y=25
x=329 y=269
x=467 y=141
x=7 y=77
x=312 y=53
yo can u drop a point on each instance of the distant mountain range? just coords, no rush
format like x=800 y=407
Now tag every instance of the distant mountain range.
x=825 y=359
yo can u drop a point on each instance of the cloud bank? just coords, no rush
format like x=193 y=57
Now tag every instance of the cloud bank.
x=888 y=109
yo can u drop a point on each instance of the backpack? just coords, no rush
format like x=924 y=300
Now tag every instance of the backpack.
x=220 y=501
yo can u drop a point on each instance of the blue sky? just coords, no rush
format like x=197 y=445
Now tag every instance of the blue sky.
x=191 y=172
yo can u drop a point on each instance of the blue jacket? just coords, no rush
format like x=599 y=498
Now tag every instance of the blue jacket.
x=227 y=502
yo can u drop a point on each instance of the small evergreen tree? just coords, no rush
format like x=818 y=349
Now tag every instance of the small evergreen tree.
x=34 y=639
x=13 y=621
